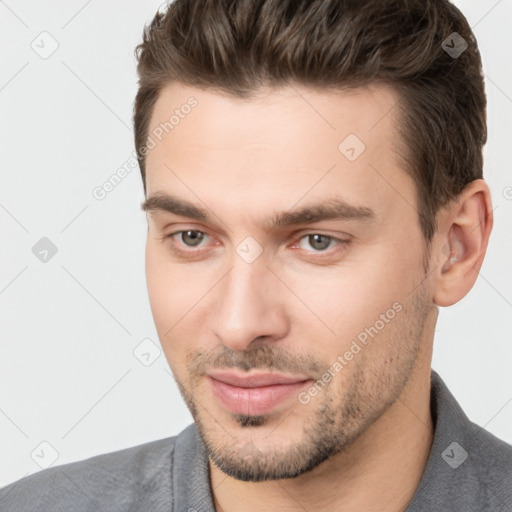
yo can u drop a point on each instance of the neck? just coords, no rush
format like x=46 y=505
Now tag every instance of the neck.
x=381 y=470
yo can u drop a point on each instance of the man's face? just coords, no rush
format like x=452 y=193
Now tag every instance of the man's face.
x=287 y=340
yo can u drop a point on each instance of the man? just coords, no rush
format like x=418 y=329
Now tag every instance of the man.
x=313 y=186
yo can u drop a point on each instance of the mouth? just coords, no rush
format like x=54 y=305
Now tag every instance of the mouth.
x=255 y=393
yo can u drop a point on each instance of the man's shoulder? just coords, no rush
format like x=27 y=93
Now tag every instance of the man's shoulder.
x=491 y=449
x=469 y=468
x=138 y=475
x=491 y=466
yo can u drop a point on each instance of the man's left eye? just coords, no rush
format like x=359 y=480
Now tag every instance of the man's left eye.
x=318 y=241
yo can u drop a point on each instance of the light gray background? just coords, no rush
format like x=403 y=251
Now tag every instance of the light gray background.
x=68 y=374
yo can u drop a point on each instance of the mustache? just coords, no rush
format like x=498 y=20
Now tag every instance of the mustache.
x=263 y=357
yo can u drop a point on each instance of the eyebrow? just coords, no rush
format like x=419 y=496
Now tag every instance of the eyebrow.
x=329 y=209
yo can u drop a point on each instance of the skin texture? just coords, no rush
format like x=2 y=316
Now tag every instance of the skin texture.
x=363 y=440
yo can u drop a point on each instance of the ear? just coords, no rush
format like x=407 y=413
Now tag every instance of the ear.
x=464 y=227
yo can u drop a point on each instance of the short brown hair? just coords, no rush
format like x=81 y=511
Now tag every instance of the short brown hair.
x=237 y=46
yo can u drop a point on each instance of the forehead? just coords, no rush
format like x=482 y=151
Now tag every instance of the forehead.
x=368 y=111
x=280 y=142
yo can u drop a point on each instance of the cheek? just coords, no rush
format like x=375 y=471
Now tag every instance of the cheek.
x=175 y=295
x=164 y=293
x=342 y=302
x=164 y=305
x=157 y=282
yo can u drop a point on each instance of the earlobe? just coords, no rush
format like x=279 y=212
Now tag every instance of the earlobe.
x=467 y=225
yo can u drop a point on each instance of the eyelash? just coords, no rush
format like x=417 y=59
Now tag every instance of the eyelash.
x=193 y=252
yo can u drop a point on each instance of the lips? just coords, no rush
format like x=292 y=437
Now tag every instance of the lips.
x=255 y=393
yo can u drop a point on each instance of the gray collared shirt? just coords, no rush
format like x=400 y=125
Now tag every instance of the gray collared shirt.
x=468 y=470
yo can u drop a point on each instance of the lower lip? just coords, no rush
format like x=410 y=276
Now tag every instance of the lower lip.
x=253 y=401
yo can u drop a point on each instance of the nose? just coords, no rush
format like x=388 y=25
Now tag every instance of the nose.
x=249 y=305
